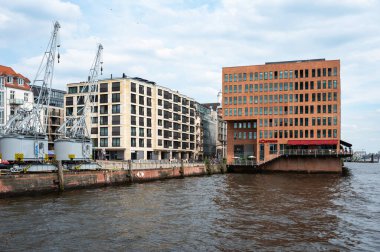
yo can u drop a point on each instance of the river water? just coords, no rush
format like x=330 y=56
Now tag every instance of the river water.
x=232 y=212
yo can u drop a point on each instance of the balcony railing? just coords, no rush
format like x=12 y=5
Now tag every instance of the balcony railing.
x=16 y=101
x=315 y=152
x=287 y=153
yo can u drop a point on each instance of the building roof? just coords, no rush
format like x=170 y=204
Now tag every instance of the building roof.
x=8 y=71
x=293 y=61
x=284 y=62
x=213 y=105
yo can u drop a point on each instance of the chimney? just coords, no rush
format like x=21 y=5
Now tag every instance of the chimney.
x=124 y=75
x=111 y=76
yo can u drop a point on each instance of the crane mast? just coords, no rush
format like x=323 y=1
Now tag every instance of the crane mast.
x=28 y=122
x=74 y=132
x=24 y=137
x=76 y=127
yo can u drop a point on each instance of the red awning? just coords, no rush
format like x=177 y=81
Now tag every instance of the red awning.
x=312 y=142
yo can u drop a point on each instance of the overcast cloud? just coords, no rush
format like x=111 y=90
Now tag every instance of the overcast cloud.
x=184 y=44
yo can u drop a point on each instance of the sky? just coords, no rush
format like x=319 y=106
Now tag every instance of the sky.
x=183 y=45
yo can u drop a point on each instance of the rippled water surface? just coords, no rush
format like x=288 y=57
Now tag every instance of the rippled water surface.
x=296 y=212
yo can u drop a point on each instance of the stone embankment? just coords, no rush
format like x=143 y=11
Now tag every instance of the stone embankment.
x=114 y=173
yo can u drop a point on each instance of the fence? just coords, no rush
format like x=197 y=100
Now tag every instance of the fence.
x=290 y=152
x=314 y=152
x=145 y=164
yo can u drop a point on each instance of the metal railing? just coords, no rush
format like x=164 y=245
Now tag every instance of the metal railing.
x=16 y=101
x=145 y=164
x=314 y=152
x=290 y=152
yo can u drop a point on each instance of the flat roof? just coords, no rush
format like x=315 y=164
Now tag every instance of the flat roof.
x=283 y=62
x=293 y=61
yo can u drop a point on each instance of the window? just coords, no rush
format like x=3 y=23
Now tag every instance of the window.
x=103 y=142
x=26 y=95
x=103 y=109
x=141 y=89
x=104 y=131
x=115 y=142
x=2 y=99
x=115 y=86
x=12 y=94
x=116 y=120
x=133 y=87
x=141 y=142
x=1 y=83
x=103 y=120
x=141 y=110
x=103 y=98
x=1 y=116
x=103 y=87
x=116 y=131
x=115 y=109
x=20 y=81
x=226 y=78
x=116 y=97
x=9 y=79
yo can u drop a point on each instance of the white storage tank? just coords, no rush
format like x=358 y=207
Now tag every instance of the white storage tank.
x=72 y=149
x=26 y=148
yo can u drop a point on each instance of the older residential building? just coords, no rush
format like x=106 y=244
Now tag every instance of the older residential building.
x=136 y=119
x=282 y=105
x=55 y=113
x=15 y=93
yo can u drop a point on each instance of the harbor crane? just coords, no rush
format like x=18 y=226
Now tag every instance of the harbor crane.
x=74 y=141
x=24 y=137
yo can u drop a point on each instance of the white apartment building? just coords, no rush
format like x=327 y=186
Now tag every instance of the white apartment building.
x=15 y=92
x=136 y=119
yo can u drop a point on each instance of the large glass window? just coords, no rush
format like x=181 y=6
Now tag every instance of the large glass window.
x=104 y=131
x=116 y=97
x=116 y=109
x=116 y=142
x=103 y=87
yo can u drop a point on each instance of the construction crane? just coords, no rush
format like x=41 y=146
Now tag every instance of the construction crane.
x=24 y=137
x=74 y=141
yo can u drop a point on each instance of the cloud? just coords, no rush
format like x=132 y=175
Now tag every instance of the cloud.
x=184 y=44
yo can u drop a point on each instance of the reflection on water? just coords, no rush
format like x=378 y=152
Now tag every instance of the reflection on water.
x=222 y=212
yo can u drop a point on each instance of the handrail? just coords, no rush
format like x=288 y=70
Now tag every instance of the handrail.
x=296 y=152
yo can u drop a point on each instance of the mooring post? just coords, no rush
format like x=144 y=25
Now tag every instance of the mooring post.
x=130 y=171
x=182 y=169
x=60 y=177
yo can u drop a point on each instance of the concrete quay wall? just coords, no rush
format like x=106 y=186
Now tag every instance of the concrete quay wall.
x=305 y=164
x=31 y=183
x=300 y=164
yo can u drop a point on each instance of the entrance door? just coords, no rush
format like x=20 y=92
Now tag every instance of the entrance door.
x=262 y=152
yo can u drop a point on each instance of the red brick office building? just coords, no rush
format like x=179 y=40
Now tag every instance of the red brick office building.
x=281 y=106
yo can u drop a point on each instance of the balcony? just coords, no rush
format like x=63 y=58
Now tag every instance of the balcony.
x=16 y=101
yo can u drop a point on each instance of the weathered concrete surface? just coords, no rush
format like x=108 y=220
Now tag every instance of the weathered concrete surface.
x=304 y=164
x=301 y=164
x=20 y=184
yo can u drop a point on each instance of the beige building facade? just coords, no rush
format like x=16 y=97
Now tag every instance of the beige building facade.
x=135 y=119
